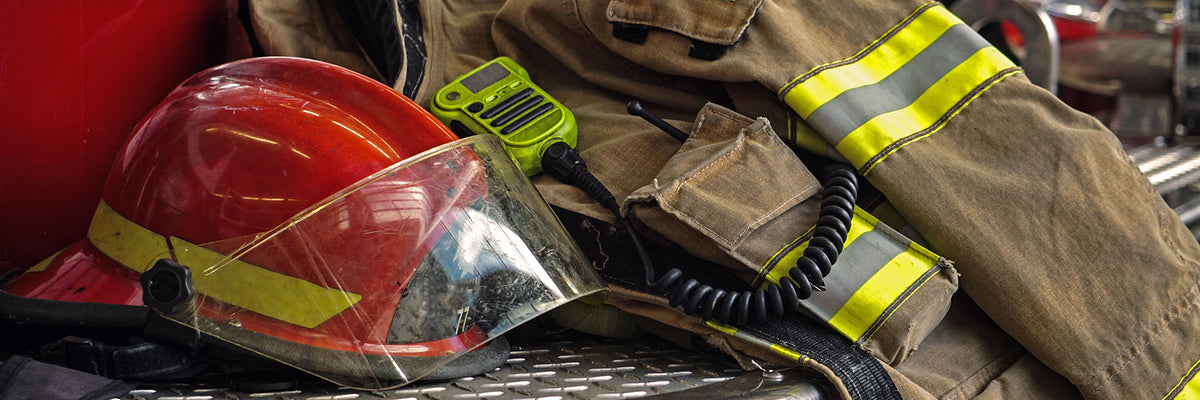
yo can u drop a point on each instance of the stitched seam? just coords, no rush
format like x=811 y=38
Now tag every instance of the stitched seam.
x=1183 y=382
x=773 y=262
x=676 y=211
x=861 y=53
x=729 y=115
x=987 y=373
x=774 y=212
x=891 y=309
x=839 y=369
x=942 y=121
x=745 y=15
x=1185 y=303
x=785 y=204
x=722 y=161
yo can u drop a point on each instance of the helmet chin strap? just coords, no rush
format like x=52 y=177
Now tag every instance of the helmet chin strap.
x=26 y=310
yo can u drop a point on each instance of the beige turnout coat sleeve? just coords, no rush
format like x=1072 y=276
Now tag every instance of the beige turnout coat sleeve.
x=1076 y=279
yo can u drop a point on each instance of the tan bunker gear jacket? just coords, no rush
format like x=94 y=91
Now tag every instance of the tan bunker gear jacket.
x=1077 y=280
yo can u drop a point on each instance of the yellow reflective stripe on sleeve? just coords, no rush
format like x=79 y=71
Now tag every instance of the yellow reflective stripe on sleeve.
x=263 y=291
x=1187 y=388
x=804 y=137
x=902 y=87
x=877 y=135
x=872 y=64
x=875 y=298
x=286 y=298
x=888 y=215
x=877 y=270
x=783 y=260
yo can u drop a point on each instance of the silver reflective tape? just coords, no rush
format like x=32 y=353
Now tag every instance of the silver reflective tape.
x=851 y=109
x=858 y=263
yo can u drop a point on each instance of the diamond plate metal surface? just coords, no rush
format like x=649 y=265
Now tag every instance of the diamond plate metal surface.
x=572 y=366
x=1174 y=171
x=1169 y=168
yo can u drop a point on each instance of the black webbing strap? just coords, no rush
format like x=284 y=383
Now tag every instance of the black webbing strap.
x=867 y=379
x=609 y=248
x=148 y=360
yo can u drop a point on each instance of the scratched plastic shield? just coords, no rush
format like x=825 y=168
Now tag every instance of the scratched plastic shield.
x=394 y=276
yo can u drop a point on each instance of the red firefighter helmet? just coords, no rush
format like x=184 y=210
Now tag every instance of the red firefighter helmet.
x=328 y=223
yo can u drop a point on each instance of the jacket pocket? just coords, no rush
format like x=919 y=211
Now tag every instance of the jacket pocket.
x=736 y=187
x=719 y=22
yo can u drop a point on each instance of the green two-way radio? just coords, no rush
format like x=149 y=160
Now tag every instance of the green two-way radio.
x=498 y=98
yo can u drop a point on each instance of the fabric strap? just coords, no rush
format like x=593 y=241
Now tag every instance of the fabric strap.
x=792 y=336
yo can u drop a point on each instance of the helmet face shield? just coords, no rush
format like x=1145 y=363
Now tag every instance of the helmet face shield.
x=327 y=222
x=395 y=275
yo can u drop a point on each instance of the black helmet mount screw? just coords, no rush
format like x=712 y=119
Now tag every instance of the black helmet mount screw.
x=167 y=286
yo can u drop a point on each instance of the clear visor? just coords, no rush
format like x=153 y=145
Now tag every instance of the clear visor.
x=394 y=276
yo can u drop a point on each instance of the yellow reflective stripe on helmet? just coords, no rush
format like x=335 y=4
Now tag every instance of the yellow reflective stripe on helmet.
x=125 y=241
x=39 y=267
x=286 y=298
x=902 y=87
x=258 y=289
x=877 y=270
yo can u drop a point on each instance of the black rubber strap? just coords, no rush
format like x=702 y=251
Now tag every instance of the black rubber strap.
x=863 y=375
x=147 y=360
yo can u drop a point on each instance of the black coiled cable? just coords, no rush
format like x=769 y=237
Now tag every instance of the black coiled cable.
x=840 y=189
x=828 y=238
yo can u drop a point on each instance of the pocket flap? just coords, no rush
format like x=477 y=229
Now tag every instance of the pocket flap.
x=719 y=22
x=747 y=174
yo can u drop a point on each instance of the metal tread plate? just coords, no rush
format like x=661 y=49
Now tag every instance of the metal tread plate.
x=1174 y=172
x=570 y=366
x=1169 y=168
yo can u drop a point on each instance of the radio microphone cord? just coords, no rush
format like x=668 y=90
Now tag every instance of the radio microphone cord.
x=840 y=188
